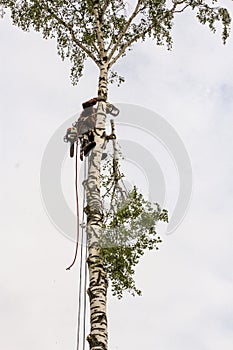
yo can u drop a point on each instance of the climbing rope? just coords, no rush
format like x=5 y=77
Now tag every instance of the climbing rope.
x=82 y=300
x=81 y=331
x=77 y=207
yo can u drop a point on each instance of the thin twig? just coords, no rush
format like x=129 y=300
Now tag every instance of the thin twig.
x=124 y=31
x=77 y=42
x=99 y=30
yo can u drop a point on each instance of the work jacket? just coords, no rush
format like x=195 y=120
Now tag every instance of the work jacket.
x=87 y=120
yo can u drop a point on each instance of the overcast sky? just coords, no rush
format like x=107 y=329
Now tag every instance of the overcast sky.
x=187 y=285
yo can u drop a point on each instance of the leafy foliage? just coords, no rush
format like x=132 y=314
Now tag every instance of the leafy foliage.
x=114 y=77
x=104 y=30
x=129 y=230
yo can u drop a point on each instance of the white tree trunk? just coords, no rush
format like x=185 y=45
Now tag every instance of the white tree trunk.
x=97 y=291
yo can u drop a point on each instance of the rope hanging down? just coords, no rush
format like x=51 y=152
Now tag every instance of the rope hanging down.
x=77 y=207
x=81 y=331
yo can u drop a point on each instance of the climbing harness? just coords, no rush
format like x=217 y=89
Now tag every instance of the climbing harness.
x=83 y=129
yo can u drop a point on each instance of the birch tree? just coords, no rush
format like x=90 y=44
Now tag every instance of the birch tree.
x=104 y=31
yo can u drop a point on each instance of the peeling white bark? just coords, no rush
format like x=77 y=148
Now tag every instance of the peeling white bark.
x=99 y=30
x=97 y=291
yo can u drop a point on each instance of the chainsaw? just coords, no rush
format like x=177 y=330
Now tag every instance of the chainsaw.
x=72 y=133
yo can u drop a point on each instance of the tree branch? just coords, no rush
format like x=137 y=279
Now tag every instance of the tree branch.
x=99 y=30
x=74 y=7
x=181 y=10
x=84 y=23
x=103 y=10
x=111 y=41
x=134 y=14
x=127 y=44
x=70 y=29
x=140 y=35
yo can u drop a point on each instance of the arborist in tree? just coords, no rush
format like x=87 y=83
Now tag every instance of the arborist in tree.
x=84 y=128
